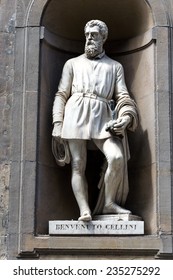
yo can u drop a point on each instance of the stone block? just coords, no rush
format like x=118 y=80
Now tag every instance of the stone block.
x=19 y=61
x=30 y=129
x=32 y=62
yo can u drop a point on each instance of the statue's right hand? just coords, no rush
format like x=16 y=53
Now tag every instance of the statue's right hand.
x=56 y=133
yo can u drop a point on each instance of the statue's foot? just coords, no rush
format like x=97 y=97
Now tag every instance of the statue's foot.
x=113 y=208
x=86 y=217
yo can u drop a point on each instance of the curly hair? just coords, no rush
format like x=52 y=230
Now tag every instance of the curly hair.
x=102 y=27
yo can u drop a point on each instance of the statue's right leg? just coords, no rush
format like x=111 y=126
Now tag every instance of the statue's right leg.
x=78 y=152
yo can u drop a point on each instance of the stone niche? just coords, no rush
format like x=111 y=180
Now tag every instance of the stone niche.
x=47 y=34
x=131 y=41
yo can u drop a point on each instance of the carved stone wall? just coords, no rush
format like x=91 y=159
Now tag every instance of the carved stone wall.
x=24 y=101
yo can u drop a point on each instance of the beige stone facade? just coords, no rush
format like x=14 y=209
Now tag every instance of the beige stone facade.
x=36 y=38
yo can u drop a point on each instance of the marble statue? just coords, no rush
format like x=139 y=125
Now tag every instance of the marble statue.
x=93 y=103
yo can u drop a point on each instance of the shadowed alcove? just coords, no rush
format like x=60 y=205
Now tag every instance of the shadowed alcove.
x=130 y=42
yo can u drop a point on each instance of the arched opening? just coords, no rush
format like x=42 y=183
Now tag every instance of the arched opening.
x=126 y=19
x=130 y=42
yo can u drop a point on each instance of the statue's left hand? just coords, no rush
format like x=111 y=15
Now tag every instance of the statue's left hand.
x=118 y=126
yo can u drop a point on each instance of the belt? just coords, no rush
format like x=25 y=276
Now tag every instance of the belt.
x=92 y=96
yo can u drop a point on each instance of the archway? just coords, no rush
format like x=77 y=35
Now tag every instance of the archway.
x=130 y=42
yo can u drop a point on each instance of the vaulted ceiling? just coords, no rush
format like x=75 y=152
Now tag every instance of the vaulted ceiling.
x=125 y=18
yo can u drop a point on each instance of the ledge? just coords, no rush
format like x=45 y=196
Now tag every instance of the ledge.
x=112 y=47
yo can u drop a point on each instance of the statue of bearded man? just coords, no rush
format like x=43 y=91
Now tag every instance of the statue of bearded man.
x=82 y=112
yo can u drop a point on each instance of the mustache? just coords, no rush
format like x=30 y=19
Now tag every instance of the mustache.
x=91 y=48
x=91 y=43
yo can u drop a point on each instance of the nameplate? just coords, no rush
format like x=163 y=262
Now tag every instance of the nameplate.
x=96 y=228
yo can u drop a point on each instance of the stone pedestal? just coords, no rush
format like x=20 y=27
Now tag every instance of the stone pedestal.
x=101 y=225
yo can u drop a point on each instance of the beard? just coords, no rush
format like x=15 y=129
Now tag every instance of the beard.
x=92 y=49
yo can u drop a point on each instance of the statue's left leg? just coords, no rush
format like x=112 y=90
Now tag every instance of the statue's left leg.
x=113 y=151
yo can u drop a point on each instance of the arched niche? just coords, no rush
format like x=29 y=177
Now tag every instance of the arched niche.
x=131 y=41
x=34 y=187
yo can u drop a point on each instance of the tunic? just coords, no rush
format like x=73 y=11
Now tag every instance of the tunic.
x=84 y=92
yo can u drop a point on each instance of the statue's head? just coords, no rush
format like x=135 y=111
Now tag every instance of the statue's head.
x=96 y=33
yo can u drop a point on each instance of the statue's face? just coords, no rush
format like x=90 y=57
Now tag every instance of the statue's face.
x=94 y=41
